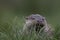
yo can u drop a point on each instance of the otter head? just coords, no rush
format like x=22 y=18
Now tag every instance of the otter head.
x=35 y=19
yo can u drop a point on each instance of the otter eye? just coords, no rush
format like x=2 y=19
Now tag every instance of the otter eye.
x=33 y=18
x=43 y=19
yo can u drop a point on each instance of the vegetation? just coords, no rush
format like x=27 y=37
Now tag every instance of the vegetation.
x=13 y=12
x=12 y=30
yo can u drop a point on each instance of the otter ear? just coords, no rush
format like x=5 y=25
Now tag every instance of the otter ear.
x=26 y=18
x=43 y=18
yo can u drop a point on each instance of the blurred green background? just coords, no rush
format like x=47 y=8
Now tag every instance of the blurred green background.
x=13 y=12
x=9 y=9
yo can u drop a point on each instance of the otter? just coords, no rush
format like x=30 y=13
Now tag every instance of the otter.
x=37 y=23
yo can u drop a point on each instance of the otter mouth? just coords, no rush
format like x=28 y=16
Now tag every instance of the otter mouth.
x=38 y=27
x=41 y=25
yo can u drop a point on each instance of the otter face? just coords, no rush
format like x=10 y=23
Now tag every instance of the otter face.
x=35 y=19
x=34 y=22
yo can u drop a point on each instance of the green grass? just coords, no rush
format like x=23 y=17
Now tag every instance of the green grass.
x=12 y=21
x=12 y=30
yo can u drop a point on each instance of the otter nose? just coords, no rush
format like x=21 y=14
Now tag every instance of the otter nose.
x=39 y=21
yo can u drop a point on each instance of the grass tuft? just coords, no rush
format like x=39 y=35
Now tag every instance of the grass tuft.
x=12 y=31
